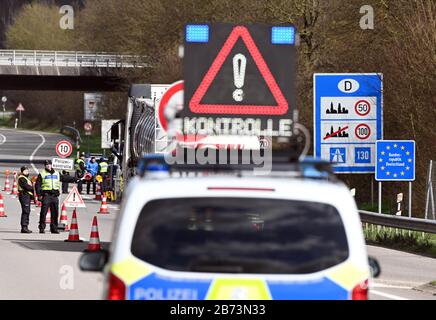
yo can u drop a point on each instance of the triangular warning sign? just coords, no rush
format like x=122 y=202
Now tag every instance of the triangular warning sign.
x=74 y=199
x=20 y=108
x=239 y=32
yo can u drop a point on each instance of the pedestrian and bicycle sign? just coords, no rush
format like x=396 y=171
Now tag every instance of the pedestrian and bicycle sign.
x=395 y=160
x=239 y=79
x=64 y=149
x=348 y=120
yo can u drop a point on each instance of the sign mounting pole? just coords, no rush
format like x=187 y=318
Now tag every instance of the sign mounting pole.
x=380 y=197
x=410 y=199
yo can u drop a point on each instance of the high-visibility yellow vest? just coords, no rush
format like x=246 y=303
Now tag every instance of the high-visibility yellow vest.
x=103 y=167
x=29 y=182
x=78 y=162
x=50 y=181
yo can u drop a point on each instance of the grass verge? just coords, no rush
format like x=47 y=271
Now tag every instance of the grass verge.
x=405 y=240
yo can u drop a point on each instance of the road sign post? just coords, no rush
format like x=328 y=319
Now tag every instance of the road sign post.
x=74 y=199
x=63 y=164
x=380 y=197
x=244 y=80
x=395 y=161
x=88 y=128
x=4 y=100
x=410 y=199
x=170 y=103
x=64 y=149
x=348 y=120
x=20 y=109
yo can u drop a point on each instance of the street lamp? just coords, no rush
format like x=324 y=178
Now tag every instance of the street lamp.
x=4 y=100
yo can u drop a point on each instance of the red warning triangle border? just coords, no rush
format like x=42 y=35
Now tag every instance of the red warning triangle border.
x=70 y=204
x=282 y=105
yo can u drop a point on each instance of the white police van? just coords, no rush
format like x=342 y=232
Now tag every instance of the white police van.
x=293 y=234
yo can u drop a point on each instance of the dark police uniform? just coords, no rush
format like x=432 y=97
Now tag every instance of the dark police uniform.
x=25 y=189
x=48 y=187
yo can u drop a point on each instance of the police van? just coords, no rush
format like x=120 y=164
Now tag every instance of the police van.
x=228 y=234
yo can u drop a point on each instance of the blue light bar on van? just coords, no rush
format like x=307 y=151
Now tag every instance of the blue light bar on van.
x=152 y=163
x=283 y=35
x=197 y=33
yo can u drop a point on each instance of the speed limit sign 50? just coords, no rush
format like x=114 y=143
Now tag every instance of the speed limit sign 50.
x=362 y=107
x=64 y=149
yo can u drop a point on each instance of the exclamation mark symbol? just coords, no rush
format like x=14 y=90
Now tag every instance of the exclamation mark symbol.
x=239 y=67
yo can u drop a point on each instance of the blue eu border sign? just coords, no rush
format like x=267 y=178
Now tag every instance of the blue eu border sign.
x=395 y=160
x=348 y=119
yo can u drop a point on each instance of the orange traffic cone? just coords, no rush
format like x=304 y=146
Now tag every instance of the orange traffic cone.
x=104 y=208
x=74 y=230
x=63 y=225
x=14 y=188
x=94 y=239
x=7 y=187
x=48 y=217
x=2 y=207
x=98 y=192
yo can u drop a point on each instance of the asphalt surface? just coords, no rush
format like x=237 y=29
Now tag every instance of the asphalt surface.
x=45 y=267
x=18 y=148
x=402 y=275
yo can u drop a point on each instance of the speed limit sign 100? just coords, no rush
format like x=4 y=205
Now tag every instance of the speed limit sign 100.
x=64 y=149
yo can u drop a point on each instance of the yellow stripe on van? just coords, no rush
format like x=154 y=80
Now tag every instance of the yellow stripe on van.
x=130 y=270
x=238 y=289
x=348 y=275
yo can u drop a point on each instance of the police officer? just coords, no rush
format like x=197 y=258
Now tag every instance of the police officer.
x=47 y=187
x=64 y=183
x=92 y=168
x=80 y=171
x=103 y=169
x=25 y=190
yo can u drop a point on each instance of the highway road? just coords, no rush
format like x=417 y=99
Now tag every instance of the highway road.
x=45 y=267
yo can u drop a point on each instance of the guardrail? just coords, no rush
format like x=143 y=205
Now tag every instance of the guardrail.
x=70 y=59
x=413 y=224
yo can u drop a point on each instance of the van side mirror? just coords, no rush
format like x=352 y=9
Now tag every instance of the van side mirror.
x=374 y=267
x=93 y=261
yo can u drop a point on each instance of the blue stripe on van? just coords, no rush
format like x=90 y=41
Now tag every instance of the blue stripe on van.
x=318 y=289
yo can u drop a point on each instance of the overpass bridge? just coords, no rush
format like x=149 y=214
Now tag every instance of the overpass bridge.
x=66 y=70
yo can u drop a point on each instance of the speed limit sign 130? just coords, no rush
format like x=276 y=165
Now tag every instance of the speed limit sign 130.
x=64 y=149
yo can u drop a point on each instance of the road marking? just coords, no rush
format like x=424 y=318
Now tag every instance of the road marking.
x=3 y=139
x=35 y=151
x=380 y=285
x=387 y=295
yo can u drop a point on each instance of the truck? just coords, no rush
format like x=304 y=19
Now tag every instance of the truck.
x=139 y=133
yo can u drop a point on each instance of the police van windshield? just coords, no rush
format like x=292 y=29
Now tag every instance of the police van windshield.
x=234 y=235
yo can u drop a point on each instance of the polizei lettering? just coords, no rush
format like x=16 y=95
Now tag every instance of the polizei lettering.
x=167 y=294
